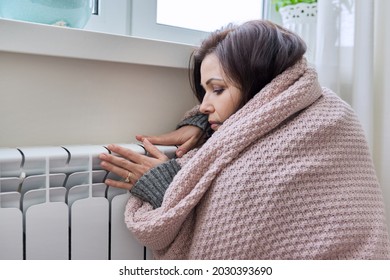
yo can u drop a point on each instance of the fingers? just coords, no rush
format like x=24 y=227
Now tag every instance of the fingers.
x=164 y=139
x=186 y=137
x=116 y=165
x=187 y=146
x=121 y=168
x=153 y=151
x=127 y=184
x=118 y=184
x=130 y=165
x=125 y=153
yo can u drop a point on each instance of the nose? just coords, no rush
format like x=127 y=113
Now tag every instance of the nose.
x=206 y=107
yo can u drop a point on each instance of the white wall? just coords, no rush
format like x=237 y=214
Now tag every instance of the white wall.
x=61 y=101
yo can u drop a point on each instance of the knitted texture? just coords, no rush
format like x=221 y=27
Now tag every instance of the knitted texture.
x=152 y=185
x=199 y=120
x=288 y=176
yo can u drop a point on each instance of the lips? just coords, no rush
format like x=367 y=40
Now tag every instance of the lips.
x=215 y=125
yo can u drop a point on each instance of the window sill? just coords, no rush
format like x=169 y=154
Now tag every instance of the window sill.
x=39 y=39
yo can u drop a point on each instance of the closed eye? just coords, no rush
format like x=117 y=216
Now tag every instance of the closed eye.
x=218 y=90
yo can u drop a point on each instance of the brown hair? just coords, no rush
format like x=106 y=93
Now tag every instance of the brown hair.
x=251 y=55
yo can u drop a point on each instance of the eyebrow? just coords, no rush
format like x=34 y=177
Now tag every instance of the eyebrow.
x=213 y=79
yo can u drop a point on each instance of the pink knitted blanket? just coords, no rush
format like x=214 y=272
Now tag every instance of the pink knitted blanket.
x=289 y=176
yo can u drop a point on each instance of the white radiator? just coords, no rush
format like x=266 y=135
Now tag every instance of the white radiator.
x=54 y=205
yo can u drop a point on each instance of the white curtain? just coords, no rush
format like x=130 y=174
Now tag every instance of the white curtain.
x=353 y=59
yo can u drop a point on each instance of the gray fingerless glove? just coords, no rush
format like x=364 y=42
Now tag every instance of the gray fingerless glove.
x=199 y=120
x=152 y=185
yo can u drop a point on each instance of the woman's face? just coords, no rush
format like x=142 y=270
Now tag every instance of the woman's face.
x=222 y=99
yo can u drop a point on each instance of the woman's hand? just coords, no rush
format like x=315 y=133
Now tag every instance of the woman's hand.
x=186 y=138
x=131 y=166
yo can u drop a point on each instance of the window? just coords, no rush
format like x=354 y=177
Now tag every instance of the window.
x=109 y=17
x=206 y=15
x=184 y=21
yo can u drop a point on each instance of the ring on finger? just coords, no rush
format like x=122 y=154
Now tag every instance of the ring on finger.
x=128 y=178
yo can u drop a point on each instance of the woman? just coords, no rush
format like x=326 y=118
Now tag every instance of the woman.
x=285 y=172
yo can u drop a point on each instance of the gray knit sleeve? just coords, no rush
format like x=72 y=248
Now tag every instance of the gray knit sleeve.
x=199 y=120
x=152 y=185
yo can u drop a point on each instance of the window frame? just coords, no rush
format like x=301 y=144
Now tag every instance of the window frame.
x=143 y=24
x=137 y=18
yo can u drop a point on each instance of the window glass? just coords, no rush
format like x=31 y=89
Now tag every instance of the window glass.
x=182 y=21
x=206 y=15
